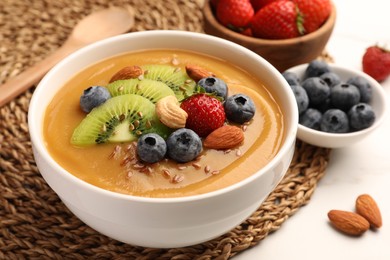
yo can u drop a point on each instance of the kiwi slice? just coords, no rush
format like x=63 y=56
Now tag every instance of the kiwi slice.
x=120 y=119
x=150 y=89
x=175 y=77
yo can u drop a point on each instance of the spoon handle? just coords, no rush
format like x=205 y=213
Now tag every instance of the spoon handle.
x=20 y=83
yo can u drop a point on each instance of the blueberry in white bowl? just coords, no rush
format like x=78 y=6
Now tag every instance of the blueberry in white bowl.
x=350 y=109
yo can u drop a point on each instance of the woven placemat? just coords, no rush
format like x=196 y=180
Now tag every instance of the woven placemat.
x=34 y=223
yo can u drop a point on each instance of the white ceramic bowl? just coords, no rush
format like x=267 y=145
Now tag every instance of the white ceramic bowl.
x=334 y=140
x=162 y=222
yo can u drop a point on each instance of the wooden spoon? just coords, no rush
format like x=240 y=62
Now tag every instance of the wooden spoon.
x=96 y=26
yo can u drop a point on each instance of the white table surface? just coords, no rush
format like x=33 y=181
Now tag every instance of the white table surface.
x=361 y=168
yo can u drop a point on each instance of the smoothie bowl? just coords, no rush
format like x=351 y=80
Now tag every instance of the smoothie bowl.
x=112 y=180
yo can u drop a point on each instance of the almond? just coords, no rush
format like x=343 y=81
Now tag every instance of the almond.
x=225 y=137
x=348 y=222
x=197 y=73
x=367 y=208
x=129 y=72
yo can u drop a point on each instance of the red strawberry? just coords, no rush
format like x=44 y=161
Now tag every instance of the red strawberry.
x=314 y=13
x=277 y=20
x=257 y=4
x=235 y=14
x=376 y=62
x=205 y=113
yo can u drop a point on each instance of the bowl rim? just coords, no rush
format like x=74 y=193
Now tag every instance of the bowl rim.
x=38 y=142
x=328 y=25
x=376 y=86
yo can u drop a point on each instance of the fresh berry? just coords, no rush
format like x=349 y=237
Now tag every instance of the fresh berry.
x=301 y=98
x=215 y=86
x=376 y=63
x=331 y=78
x=184 y=145
x=314 y=13
x=291 y=78
x=316 y=68
x=364 y=87
x=361 y=116
x=93 y=97
x=277 y=20
x=205 y=113
x=317 y=90
x=151 y=148
x=258 y=4
x=343 y=96
x=234 y=14
x=335 y=121
x=311 y=118
x=239 y=108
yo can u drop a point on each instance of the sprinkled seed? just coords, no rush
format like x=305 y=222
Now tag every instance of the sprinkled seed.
x=138 y=86
x=120 y=89
x=139 y=113
x=187 y=81
x=122 y=117
x=141 y=77
x=125 y=161
x=238 y=153
x=227 y=151
x=138 y=132
x=207 y=169
x=177 y=178
x=215 y=172
x=116 y=150
x=138 y=166
x=129 y=174
x=148 y=124
x=175 y=61
x=176 y=70
x=131 y=127
x=104 y=128
x=136 y=123
x=197 y=166
x=183 y=167
x=244 y=127
x=166 y=173
x=182 y=88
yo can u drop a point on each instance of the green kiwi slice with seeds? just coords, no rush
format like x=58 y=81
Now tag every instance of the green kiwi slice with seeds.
x=175 y=77
x=120 y=119
x=150 y=89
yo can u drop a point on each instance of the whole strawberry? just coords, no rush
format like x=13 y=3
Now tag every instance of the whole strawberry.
x=205 y=113
x=277 y=20
x=314 y=13
x=376 y=63
x=234 y=14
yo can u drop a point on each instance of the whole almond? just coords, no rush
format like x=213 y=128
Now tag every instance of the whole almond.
x=170 y=113
x=348 y=222
x=197 y=73
x=225 y=137
x=129 y=72
x=367 y=208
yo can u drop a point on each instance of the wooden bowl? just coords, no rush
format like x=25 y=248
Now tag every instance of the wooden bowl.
x=282 y=54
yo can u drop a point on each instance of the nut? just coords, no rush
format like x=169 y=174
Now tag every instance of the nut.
x=197 y=73
x=367 y=208
x=348 y=222
x=129 y=72
x=170 y=113
x=225 y=137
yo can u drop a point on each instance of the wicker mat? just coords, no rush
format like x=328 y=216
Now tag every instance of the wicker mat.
x=34 y=222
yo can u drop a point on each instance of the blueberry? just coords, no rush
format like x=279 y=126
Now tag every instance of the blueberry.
x=239 y=108
x=93 y=97
x=364 y=87
x=184 y=145
x=214 y=85
x=361 y=116
x=151 y=148
x=291 y=78
x=311 y=118
x=316 y=68
x=301 y=97
x=334 y=121
x=343 y=96
x=331 y=78
x=317 y=90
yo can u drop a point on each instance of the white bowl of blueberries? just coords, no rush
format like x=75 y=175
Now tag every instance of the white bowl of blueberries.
x=337 y=106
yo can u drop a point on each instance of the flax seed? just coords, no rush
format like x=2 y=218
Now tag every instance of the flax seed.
x=207 y=169
x=197 y=166
x=177 y=178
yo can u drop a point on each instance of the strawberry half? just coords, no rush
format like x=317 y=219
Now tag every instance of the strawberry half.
x=277 y=20
x=314 y=13
x=234 y=14
x=205 y=113
x=376 y=63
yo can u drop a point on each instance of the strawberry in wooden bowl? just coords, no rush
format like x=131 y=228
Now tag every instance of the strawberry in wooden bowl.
x=284 y=32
